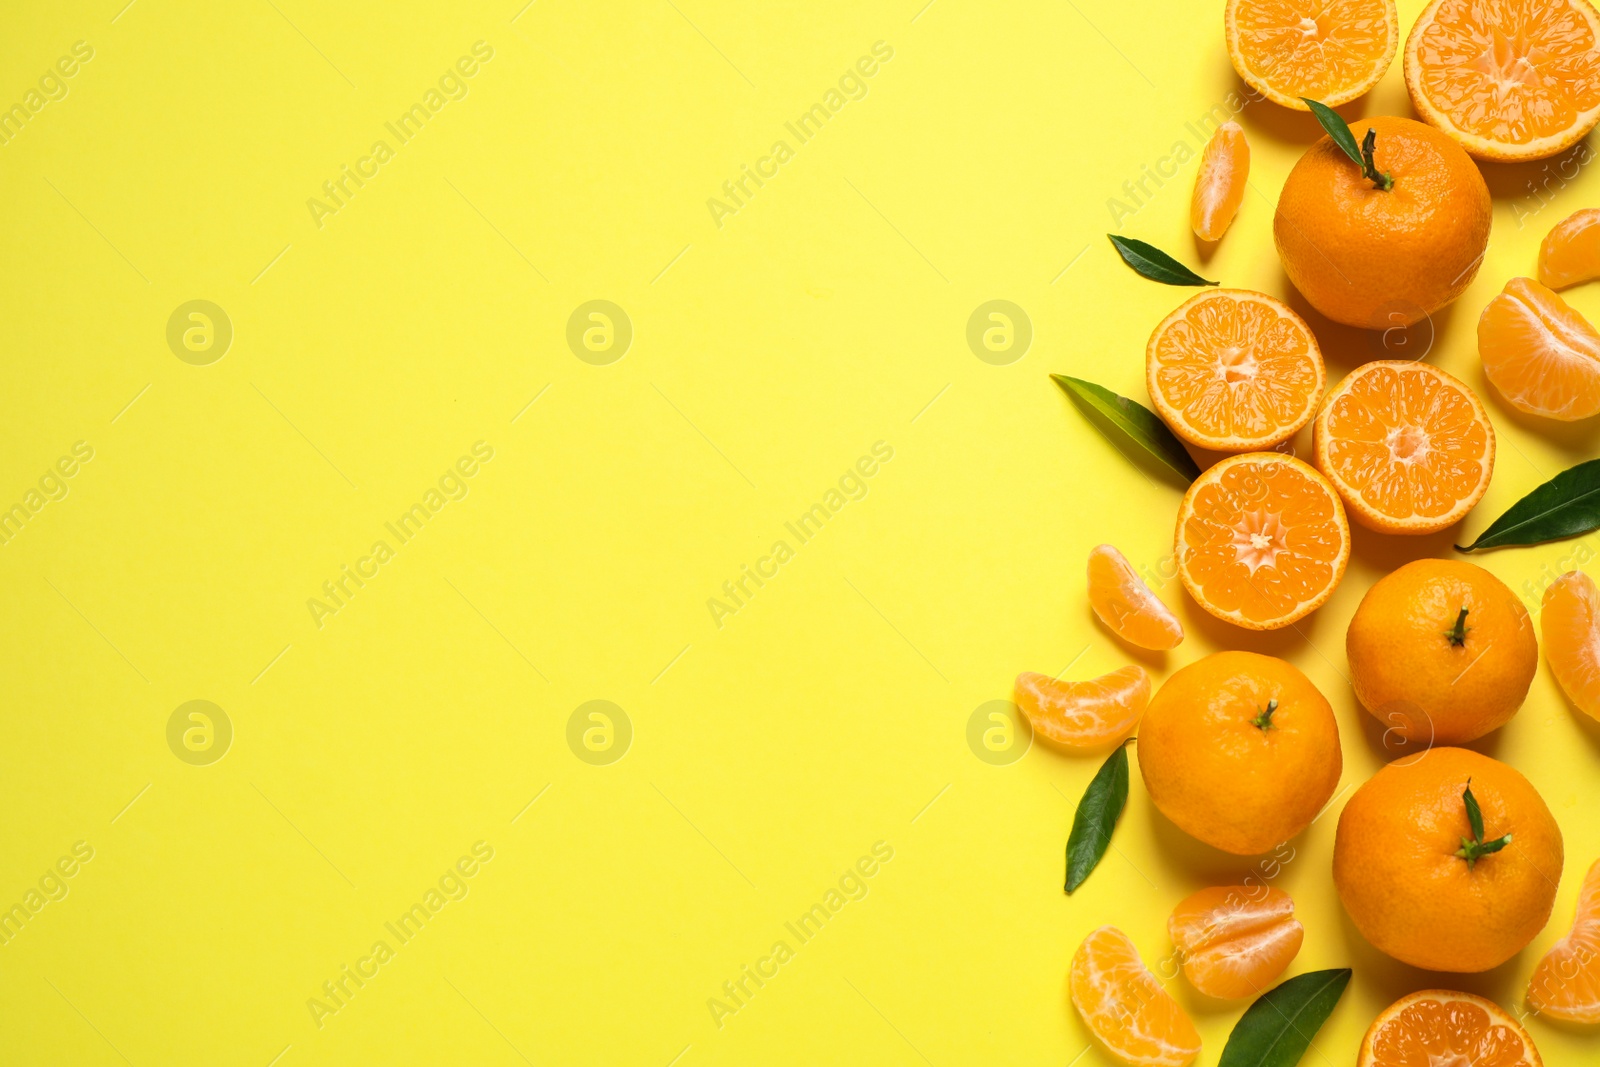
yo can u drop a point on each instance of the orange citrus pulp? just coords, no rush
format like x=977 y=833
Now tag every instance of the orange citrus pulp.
x=1329 y=50
x=1235 y=939
x=1124 y=1006
x=1126 y=605
x=1087 y=714
x=1541 y=355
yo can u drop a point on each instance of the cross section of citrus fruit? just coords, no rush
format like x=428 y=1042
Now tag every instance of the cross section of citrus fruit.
x=1124 y=1006
x=1566 y=983
x=1084 y=715
x=1508 y=79
x=1235 y=939
x=1329 y=50
x=1409 y=448
x=1569 y=622
x=1262 y=540
x=1126 y=605
x=1439 y=1027
x=1220 y=183
x=1541 y=355
x=1571 y=250
x=1234 y=371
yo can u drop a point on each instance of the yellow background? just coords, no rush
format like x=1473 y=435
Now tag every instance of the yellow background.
x=768 y=354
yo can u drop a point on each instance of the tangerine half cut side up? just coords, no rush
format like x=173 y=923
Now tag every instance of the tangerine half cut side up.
x=1441 y=1026
x=1329 y=50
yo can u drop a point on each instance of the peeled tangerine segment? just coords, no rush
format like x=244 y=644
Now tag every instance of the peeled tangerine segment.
x=1566 y=983
x=1124 y=1006
x=1235 y=940
x=1543 y=356
x=1220 y=185
x=1088 y=714
x=1571 y=252
x=1569 y=622
x=1126 y=604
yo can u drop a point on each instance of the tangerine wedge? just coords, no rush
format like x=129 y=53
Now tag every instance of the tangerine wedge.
x=1566 y=983
x=1126 y=605
x=1541 y=355
x=1124 y=1006
x=1569 y=623
x=1440 y=1026
x=1409 y=448
x=1262 y=540
x=1235 y=940
x=1234 y=371
x=1329 y=50
x=1219 y=186
x=1507 y=79
x=1571 y=251
x=1084 y=715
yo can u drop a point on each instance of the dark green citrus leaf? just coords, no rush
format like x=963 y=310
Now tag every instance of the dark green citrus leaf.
x=1155 y=264
x=1277 y=1029
x=1097 y=816
x=1337 y=128
x=1141 y=425
x=1565 y=506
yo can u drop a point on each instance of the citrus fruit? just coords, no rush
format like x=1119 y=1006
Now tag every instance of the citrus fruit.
x=1329 y=50
x=1383 y=258
x=1541 y=355
x=1569 y=621
x=1124 y=1006
x=1084 y=714
x=1422 y=885
x=1239 y=750
x=1441 y=1028
x=1441 y=652
x=1508 y=79
x=1219 y=186
x=1234 y=939
x=1126 y=604
x=1262 y=540
x=1234 y=371
x=1566 y=983
x=1409 y=448
x=1571 y=250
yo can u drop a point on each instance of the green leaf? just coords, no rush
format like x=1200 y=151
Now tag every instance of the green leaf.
x=1155 y=264
x=1097 y=816
x=1278 y=1028
x=1137 y=422
x=1474 y=813
x=1565 y=506
x=1337 y=128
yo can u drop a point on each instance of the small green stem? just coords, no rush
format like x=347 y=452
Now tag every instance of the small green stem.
x=1263 y=721
x=1472 y=851
x=1457 y=634
x=1369 y=169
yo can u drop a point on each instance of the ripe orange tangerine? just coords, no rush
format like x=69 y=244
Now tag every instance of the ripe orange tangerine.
x=1235 y=939
x=1220 y=184
x=1126 y=605
x=1262 y=540
x=1329 y=50
x=1084 y=715
x=1124 y=1006
x=1439 y=1026
x=1507 y=79
x=1541 y=355
x=1234 y=371
x=1409 y=448
x=1569 y=621
x=1571 y=250
x=1566 y=983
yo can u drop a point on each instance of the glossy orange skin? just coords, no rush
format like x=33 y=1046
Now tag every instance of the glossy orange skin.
x=1395 y=867
x=1377 y=258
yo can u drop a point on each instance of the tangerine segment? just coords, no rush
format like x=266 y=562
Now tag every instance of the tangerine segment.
x=1084 y=715
x=1234 y=371
x=1124 y=1006
x=1329 y=50
x=1409 y=448
x=1219 y=186
x=1569 y=622
x=1542 y=355
x=1262 y=540
x=1440 y=1026
x=1235 y=940
x=1566 y=983
x=1571 y=251
x=1126 y=605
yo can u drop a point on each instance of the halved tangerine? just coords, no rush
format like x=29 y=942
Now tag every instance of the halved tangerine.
x=1083 y=715
x=1235 y=939
x=1507 y=79
x=1409 y=448
x=1220 y=184
x=1440 y=1026
x=1541 y=355
x=1569 y=623
x=1571 y=250
x=1566 y=983
x=1124 y=1006
x=1329 y=50
x=1262 y=540
x=1126 y=604
x=1234 y=371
